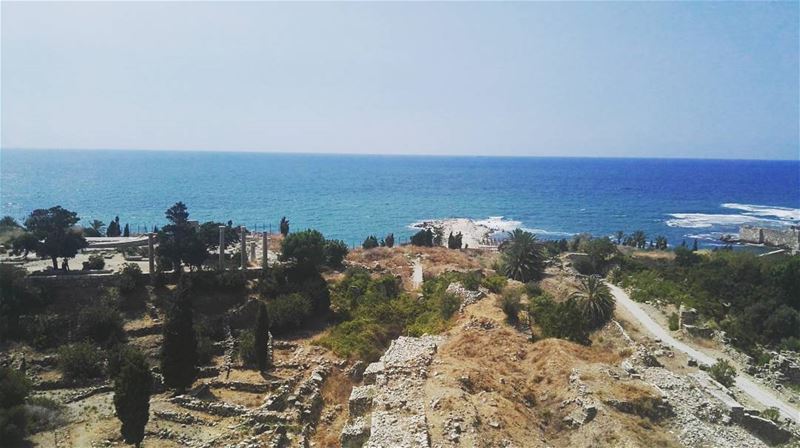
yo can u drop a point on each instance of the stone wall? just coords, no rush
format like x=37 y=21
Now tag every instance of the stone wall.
x=787 y=237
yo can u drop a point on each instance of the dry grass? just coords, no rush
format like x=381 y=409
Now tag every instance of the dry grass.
x=335 y=391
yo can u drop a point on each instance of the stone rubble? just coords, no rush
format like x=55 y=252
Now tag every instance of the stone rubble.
x=467 y=296
x=392 y=398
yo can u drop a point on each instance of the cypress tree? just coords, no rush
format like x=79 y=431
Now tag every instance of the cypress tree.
x=179 y=348
x=284 y=226
x=694 y=246
x=261 y=337
x=390 y=240
x=127 y=231
x=132 y=388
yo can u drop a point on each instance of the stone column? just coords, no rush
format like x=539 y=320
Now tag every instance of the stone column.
x=151 y=254
x=252 y=251
x=243 y=251
x=264 y=251
x=221 y=248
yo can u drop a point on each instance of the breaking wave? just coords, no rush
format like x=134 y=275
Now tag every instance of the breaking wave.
x=752 y=214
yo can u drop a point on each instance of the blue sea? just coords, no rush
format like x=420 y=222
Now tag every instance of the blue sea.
x=351 y=196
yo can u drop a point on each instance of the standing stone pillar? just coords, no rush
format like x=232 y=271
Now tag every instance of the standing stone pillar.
x=243 y=250
x=221 y=248
x=252 y=251
x=151 y=255
x=264 y=250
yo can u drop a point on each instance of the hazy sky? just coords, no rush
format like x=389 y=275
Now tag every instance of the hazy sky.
x=600 y=79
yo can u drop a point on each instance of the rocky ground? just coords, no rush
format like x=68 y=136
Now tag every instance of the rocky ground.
x=483 y=383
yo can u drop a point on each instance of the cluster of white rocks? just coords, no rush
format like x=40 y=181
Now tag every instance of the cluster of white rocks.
x=388 y=410
x=468 y=297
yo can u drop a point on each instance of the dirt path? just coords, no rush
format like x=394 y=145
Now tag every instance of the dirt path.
x=748 y=386
x=416 y=276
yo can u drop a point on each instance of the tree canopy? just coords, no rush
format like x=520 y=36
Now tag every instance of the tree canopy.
x=55 y=230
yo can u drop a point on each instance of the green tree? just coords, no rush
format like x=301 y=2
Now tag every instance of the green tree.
x=661 y=242
x=370 y=243
x=600 y=251
x=638 y=239
x=335 y=252
x=562 y=320
x=179 y=347
x=113 y=229
x=14 y=389
x=127 y=231
x=423 y=238
x=54 y=228
x=132 y=388
x=24 y=244
x=306 y=249
x=595 y=301
x=178 y=241
x=510 y=304
x=685 y=257
x=389 y=240
x=454 y=241
x=9 y=222
x=208 y=233
x=522 y=257
x=284 y=226
x=17 y=297
x=262 y=337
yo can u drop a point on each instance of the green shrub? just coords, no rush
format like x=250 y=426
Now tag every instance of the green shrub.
x=335 y=252
x=130 y=277
x=80 y=362
x=723 y=372
x=532 y=289
x=288 y=312
x=101 y=324
x=305 y=248
x=44 y=414
x=370 y=243
x=563 y=320
x=95 y=263
x=246 y=349
x=509 y=302
x=449 y=304
x=14 y=388
x=495 y=283
x=673 y=322
x=771 y=414
x=471 y=280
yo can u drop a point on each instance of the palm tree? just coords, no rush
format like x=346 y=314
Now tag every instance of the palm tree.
x=595 y=300
x=639 y=239
x=523 y=257
x=97 y=225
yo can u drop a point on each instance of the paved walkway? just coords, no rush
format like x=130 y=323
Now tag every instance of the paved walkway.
x=758 y=392
x=416 y=276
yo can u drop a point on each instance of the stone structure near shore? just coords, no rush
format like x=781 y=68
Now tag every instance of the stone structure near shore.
x=786 y=237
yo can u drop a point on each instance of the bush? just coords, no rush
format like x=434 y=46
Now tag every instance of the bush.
x=370 y=243
x=495 y=283
x=673 y=322
x=532 y=289
x=246 y=350
x=132 y=388
x=335 y=252
x=471 y=280
x=14 y=388
x=101 y=324
x=771 y=414
x=288 y=312
x=449 y=304
x=305 y=248
x=95 y=263
x=17 y=298
x=510 y=304
x=563 y=320
x=723 y=372
x=423 y=238
x=80 y=362
x=130 y=277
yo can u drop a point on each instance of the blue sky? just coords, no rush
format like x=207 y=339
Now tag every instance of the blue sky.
x=636 y=79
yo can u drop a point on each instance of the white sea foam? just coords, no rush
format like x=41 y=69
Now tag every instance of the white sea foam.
x=499 y=224
x=706 y=220
x=783 y=213
x=752 y=214
x=547 y=232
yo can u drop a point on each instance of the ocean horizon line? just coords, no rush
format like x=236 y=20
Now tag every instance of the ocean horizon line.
x=389 y=155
